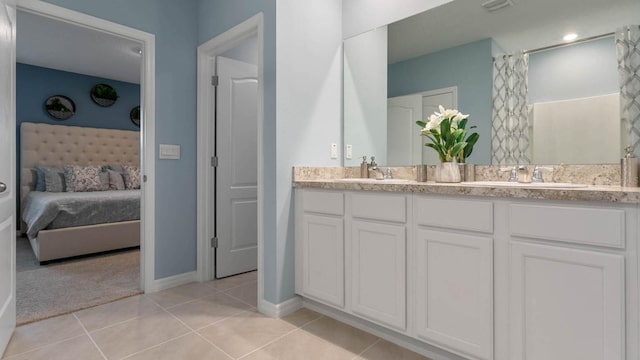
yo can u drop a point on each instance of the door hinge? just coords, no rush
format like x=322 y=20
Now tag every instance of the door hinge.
x=214 y=161
x=214 y=242
x=144 y=178
x=214 y=80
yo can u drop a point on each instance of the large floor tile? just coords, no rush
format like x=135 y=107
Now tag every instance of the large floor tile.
x=300 y=345
x=186 y=347
x=248 y=293
x=340 y=334
x=41 y=333
x=138 y=334
x=245 y=332
x=384 y=350
x=233 y=281
x=79 y=347
x=181 y=294
x=208 y=310
x=301 y=317
x=118 y=311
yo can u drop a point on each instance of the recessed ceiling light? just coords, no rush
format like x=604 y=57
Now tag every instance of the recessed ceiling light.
x=570 y=37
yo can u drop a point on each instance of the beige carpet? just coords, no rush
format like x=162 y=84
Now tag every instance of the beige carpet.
x=62 y=287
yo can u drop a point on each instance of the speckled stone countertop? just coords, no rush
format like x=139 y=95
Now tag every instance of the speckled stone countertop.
x=592 y=192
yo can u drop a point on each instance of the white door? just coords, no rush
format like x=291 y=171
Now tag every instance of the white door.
x=237 y=170
x=404 y=142
x=378 y=272
x=448 y=98
x=454 y=290
x=7 y=173
x=566 y=304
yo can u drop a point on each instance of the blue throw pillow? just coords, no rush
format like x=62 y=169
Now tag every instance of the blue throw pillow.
x=40 y=179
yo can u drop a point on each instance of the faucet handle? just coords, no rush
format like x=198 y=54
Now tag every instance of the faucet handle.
x=536 y=177
x=513 y=172
x=388 y=174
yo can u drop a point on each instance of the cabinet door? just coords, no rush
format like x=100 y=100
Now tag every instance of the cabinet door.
x=378 y=272
x=323 y=259
x=566 y=304
x=454 y=287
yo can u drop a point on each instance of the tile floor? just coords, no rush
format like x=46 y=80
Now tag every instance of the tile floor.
x=214 y=320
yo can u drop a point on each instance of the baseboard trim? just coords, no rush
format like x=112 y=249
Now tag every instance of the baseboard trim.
x=279 y=310
x=172 y=281
x=401 y=340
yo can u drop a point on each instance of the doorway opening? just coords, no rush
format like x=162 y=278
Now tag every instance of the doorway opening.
x=230 y=154
x=112 y=135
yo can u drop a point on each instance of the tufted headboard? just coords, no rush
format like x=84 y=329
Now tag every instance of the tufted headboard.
x=58 y=145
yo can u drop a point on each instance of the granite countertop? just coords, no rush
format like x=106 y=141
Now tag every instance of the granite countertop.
x=601 y=193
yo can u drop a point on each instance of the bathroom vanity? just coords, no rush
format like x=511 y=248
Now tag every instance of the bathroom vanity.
x=478 y=271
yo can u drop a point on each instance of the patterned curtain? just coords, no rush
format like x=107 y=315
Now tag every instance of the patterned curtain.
x=510 y=130
x=628 y=49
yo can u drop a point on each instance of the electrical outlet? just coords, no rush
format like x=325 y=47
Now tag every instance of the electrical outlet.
x=334 y=151
x=349 y=151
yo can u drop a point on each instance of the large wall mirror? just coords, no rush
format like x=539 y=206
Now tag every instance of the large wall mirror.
x=566 y=99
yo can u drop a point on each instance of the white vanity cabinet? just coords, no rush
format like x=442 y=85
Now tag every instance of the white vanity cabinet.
x=453 y=274
x=320 y=246
x=377 y=251
x=567 y=281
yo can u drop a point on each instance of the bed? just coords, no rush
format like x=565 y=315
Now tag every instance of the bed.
x=67 y=224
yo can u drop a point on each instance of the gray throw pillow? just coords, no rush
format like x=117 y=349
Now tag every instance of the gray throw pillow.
x=117 y=168
x=104 y=181
x=40 y=179
x=69 y=178
x=116 y=182
x=54 y=179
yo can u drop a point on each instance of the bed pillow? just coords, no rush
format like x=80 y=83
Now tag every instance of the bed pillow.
x=104 y=180
x=131 y=175
x=54 y=179
x=87 y=178
x=69 y=178
x=117 y=168
x=116 y=182
x=40 y=179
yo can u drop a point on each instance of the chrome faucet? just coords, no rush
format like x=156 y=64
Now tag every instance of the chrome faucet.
x=523 y=174
x=537 y=175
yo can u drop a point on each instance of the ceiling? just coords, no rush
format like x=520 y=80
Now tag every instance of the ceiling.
x=527 y=24
x=45 y=42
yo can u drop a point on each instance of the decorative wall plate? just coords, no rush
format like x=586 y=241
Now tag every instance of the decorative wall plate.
x=134 y=115
x=104 y=95
x=60 y=107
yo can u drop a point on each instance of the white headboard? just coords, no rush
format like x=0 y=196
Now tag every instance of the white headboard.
x=58 y=145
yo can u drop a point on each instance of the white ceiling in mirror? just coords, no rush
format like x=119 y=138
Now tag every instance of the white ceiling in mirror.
x=527 y=24
x=45 y=42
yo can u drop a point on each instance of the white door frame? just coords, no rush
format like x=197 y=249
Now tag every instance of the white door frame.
x=453 y=90
x=147 y=122
x=206 y=145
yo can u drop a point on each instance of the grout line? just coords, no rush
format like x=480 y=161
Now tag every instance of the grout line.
x=242 y=301
x=367 y=348
x=157 y=345
x=123 y=321
x=214 y=345
x=89 y=335
x=277 y=339
x=40 y=347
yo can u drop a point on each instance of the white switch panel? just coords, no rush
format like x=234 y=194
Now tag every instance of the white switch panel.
x=349 y=151
x=169 y=152
x=334 y=151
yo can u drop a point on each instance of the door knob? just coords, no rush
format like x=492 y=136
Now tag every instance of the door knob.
x=3 y=187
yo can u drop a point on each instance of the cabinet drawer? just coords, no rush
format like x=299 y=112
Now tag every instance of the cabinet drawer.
x=379 y=207
x=323 y=202
x=583 y=225
x=471 y=215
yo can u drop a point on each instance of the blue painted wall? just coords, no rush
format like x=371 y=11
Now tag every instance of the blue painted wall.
x=34 y=84
x=576 y=71
x=214 y=18
x=175 y=28
x=470 y=68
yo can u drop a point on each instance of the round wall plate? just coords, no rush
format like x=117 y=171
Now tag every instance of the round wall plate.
x=104 y=95
x=134 y=115
x=60 y=107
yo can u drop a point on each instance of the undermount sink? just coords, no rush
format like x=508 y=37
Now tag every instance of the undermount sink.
x=526 y=185
x=372 y=181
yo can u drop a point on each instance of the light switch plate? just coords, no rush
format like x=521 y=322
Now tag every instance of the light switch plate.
x=349 y=151
x=169 y=152
x=334 y=151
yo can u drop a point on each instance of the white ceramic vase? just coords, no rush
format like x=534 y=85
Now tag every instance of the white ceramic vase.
x=448 y=172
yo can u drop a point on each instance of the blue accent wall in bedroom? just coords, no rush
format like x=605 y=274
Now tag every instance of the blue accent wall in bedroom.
x=35 y=84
